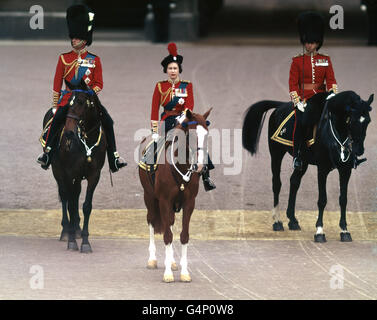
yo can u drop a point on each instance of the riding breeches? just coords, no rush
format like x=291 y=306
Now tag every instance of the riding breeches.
x=58 y=119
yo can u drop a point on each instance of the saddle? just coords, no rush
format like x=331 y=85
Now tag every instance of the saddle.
x=151 y=154
x=284 y=133
x=47 y=120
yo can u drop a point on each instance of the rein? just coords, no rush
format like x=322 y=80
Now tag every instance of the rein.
x=342 y=145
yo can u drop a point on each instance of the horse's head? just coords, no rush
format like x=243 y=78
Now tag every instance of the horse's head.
x=82 y=102
x=196 y=126
x=358 y=119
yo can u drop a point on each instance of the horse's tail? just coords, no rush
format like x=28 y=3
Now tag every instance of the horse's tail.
x=253 y=123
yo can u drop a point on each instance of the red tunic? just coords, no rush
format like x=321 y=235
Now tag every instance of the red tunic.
x=68 y=67
x=318 y=76
x=164 y=93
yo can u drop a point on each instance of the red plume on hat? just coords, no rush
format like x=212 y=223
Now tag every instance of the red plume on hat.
x=172 y=57
x=172 y=48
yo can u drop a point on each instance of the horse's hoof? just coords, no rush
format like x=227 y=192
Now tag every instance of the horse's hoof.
x=320 y=238
x=174 y=266
x=78 y=234
x=294 y=225
x=72 y=246
x=63 y=236
x=168 y=278
x=86 y=248
x=278 y=226
x=345 y=237
x=152 y=264
x=185 y=278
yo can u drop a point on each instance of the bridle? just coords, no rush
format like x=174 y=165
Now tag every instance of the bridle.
x=81 y=137
x=193 y=167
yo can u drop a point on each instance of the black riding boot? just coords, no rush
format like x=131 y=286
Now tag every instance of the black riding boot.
x=207 y=182
x=44 y=159
x=297 y=142
x=115 y=161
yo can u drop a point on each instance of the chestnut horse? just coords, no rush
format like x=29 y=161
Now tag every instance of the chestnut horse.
x=174 y=185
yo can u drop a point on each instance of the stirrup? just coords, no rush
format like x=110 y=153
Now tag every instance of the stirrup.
x=118 y=163
x=297 y=163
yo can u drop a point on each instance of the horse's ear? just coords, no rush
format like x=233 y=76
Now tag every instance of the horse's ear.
x=207 y=113
x=189 y=114
x=370 y=100
x=68 y=84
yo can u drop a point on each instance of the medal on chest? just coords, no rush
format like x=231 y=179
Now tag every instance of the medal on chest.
x=321 y=63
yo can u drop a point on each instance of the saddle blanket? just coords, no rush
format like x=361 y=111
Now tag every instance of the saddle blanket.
x=284 y=133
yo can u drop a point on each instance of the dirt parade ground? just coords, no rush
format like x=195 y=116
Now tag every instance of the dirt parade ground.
x=233 y=253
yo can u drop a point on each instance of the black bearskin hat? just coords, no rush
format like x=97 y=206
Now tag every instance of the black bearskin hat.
x=80 y=21
x=311 y=27
x=172 y=57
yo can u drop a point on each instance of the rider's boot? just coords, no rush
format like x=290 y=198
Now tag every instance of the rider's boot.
x=207 y=182
x=44 y=159
x=115 y=161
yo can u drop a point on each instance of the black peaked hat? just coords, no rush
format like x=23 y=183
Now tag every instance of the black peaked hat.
x=311 y=27
x=172 y=57
x=80 y=21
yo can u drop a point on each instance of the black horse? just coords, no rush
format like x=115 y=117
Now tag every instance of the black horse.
x=339 y=141
x=80 y=155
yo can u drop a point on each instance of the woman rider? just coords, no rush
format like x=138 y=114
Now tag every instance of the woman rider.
x=175 y=96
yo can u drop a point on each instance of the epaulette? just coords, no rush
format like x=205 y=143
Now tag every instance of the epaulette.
x=323 y=54
x=298 y=55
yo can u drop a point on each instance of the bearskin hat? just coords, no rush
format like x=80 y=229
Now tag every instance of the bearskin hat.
x=80 y=21
x=311 y=27
x=172 y=57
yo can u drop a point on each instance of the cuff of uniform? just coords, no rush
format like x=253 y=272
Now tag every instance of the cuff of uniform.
x=154 y=125
x=97 y=89
x=334 y=88
x=55 y=98
x=294 y=97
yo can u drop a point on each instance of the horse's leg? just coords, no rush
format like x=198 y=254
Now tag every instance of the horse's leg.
x=73 y=200
x=322 y=174
x=87 y=209
x=344 y=176
x=187 y=212
x=277 y=155
x=174 y=266
x=294 y=186
x=153 y=218
x=167 y=216
x=152 y=260
x=65 y=221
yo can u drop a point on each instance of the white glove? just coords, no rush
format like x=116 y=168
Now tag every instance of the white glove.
x=330 y=96
x=155 y=137
x=181 y=117
x=301 y=106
